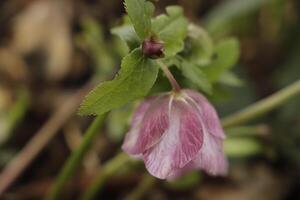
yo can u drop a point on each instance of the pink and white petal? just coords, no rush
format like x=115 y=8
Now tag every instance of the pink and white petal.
x=190 y=134
x=209 y=115
x=141 y=110
x=148 y=124
x=158 y=159
x=178 y=145
x=211 y=157
x=130 y=141
x=154 y=123
x=131 y=138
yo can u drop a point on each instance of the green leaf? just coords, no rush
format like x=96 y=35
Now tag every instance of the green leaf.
x=171 y=29
x=135 y=79
x=195 y=75
x=140 y=13
x=200 y=45
x=226 y=56
x=127 y=34
x=231 y=79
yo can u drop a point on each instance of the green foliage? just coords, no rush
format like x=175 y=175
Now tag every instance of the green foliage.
x=199 y=61
x=226 y=55
x=171 y=29
x=195 y=75
x=206 y=63
x=140 y=13
x=127 y=34
x=135 y=79
x=230 y=79
x=200 y=47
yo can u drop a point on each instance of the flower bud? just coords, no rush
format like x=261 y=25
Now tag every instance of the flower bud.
x=152 y=49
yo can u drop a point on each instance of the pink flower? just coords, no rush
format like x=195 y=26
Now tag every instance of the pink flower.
x=177 y=132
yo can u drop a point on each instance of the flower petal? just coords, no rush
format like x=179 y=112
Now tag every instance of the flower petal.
x=149 y=127
x=141 y=110
x=178 y=145
x=130 y=141
x=208 y=113
x=211 y=157
x=132 y=136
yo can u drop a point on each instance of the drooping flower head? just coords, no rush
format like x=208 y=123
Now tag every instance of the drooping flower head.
x=177 y=132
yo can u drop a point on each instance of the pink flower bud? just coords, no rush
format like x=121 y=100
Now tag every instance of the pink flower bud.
x=152 y=49
x=177 y=132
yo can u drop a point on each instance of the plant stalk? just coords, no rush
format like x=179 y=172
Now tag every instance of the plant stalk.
x=75 y=159
x=110 y=168
x=263 y=106
x=169 y=75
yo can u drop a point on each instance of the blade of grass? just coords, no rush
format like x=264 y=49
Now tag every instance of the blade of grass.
x=75 y=159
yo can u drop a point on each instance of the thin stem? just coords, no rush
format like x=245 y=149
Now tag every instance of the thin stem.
x=75 y=159
x=170 y=76
x=259 y=130
x=108 y=170
x=17 y=112
x=262 y=106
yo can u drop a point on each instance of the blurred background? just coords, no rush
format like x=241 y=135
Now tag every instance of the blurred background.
x=53 y=51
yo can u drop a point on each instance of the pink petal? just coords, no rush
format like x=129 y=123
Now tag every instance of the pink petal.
x=132 y=136
x=211 y=157
x=178 y=145
x=131 y=140
x=141 y=110
x=148 y=124
x=208 y=113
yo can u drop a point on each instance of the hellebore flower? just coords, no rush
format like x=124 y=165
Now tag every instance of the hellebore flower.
x=176 y=132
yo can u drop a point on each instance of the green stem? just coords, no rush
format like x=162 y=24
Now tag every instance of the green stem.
x=75 y=159
x=16 y=113
x=258 y=130
x=108 y=170
x=170 y=76
x=262 y=106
